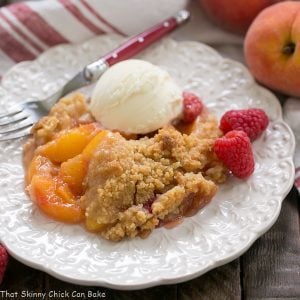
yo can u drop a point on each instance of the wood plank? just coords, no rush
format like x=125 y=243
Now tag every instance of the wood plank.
x=271 y=268
x=168 y=292
x=20 y=278
x=221 y=283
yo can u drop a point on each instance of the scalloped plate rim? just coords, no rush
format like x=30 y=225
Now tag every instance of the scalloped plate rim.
x=158 y=281
x=175 y=279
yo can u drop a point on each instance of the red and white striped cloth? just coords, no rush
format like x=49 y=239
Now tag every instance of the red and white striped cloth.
x=29 y=28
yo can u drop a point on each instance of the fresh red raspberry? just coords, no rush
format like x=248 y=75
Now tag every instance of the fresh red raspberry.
x=192 y=107
x=234 y=149
x=252 y=121
x=3 y=262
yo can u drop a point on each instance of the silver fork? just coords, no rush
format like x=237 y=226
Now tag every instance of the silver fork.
x=17 y=122
x=19 y=119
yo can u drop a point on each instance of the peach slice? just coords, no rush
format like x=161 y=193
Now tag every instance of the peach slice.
x=52 y=195
x=69 y=144
x=92 y=145
x=57 y=189
x=73 y=171
x=55 y=199
x=38 y=165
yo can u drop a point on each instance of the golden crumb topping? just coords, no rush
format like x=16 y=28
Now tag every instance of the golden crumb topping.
x=124 y=177
x=127 y=186
x=67 y=113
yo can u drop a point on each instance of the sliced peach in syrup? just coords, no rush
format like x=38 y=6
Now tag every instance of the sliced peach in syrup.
x=51 y=194
x=73 y=171
x=38 y=165
x=56 y=190
x=69 y=144
x=55 y=199
x=92 y=145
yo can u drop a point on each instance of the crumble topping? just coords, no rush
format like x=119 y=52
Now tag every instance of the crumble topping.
x=171 y=168
x=69 y=112
x=135 y=185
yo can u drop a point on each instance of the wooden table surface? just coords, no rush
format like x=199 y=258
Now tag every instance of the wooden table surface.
x=269 y=269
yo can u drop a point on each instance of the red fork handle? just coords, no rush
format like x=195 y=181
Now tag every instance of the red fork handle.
x=132 y=46
x=141 y=41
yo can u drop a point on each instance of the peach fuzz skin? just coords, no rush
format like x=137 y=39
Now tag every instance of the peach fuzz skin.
x=234 y=15
x=272 y=50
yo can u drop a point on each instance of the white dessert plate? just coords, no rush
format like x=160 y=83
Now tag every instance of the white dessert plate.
x=240 y=213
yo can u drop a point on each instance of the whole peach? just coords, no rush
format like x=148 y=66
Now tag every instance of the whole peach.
x=234 y=15
x=272 y=48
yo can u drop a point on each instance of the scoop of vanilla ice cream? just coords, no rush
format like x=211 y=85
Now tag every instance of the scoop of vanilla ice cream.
x=135 y=96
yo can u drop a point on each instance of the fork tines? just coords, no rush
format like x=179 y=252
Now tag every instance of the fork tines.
x=14 y=124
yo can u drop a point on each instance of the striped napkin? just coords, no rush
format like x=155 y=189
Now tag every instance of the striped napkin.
x=29 y=28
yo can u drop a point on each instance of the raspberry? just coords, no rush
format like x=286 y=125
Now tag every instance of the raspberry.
x=234 y=149
x=252 y=121
x=3 y=262
x=192 y=107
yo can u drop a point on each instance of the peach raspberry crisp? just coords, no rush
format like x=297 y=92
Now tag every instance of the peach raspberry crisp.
x=120 y=185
